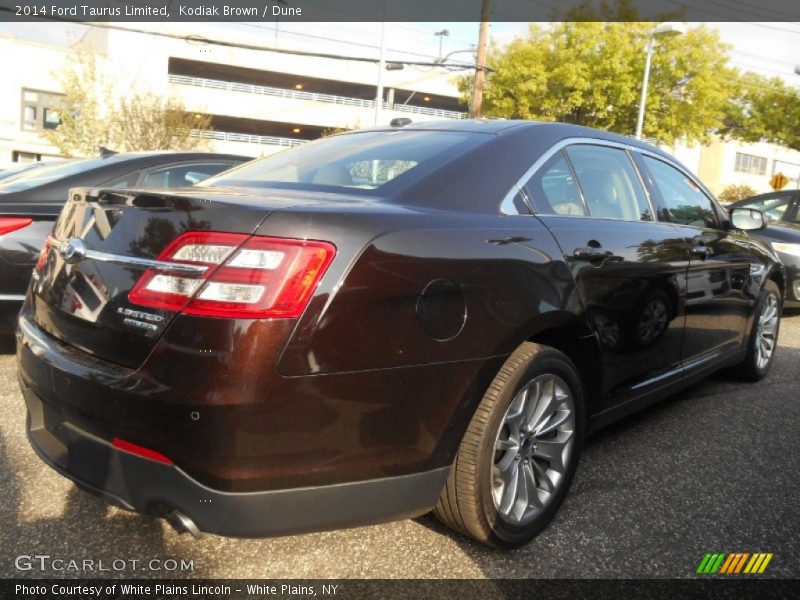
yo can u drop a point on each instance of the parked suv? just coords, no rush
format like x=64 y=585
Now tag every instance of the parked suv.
x=382 y=323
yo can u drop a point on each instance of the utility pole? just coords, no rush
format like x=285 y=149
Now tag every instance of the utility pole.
x=480 y=62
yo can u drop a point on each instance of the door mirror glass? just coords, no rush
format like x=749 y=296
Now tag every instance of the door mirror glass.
x=748 y=219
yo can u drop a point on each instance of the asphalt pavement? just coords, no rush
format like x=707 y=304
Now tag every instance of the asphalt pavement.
x=714 y=468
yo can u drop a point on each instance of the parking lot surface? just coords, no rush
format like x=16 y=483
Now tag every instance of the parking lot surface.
x=714 y=468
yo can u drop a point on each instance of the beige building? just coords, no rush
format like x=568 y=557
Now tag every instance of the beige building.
x=721 y=164
x=260 y=102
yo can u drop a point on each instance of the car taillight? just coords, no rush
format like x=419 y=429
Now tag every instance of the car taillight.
x=9 y=224
x=246 y=277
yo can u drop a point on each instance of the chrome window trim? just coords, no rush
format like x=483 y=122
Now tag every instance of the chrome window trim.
x=720 y=212
x=519 y=186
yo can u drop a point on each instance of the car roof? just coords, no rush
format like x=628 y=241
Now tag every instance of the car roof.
x=499 y=127
x=126 y=156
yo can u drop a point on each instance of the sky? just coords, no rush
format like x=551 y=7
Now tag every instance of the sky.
x=768 y=48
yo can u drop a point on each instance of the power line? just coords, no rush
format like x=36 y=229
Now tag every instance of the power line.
x=246 y=46
x=772 y=12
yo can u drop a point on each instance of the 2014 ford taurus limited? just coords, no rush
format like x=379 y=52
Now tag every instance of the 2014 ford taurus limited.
x=382 y=323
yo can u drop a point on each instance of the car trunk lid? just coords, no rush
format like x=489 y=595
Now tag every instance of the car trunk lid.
x=103 y=243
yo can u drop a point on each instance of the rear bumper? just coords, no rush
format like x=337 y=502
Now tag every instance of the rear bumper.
x=147 y=486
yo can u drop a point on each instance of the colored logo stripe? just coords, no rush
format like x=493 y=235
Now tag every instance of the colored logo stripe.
x=734 y=563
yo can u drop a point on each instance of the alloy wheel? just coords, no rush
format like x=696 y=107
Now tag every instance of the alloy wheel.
x=533 y=449
x=767 y=331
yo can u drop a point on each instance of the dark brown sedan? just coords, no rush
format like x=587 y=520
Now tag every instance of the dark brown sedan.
x=383 y=323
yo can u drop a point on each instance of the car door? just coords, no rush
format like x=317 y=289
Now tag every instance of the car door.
x=719 y=290
x=629 y=268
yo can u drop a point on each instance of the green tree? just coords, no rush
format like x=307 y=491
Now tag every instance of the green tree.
x=146 y=121
x=84 y=109
x=734 y=193
x=91 y=116
x=590 y=73
x=764 y=109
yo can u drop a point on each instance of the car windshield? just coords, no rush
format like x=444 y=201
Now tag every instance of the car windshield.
x=360 y=162
x=773 y=208
x=43 y=175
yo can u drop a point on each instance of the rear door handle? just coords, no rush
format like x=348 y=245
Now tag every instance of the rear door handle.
x=590 y=253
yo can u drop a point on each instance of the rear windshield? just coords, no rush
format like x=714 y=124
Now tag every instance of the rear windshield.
x=49 y=174
x=374 y=162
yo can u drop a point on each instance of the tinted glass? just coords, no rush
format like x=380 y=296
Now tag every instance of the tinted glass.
x=357 y=162
x=610 y=184
x=773 y=208
x=684 y=201
x=552 y=189
x=48 y=174
x=184 y=175
x=125 y=181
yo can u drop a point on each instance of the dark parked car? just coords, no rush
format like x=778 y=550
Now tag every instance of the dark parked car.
x=20 y=170
x=31 y=201
x=782 y=232
x=382 y=323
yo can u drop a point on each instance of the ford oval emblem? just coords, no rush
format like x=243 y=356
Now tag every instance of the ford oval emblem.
x=73 y=250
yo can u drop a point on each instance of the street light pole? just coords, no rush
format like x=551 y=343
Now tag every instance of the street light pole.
x=662 y=30
x=645 y=82
x=381 y=69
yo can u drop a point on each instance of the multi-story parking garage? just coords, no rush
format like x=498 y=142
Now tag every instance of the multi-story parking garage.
x=259 y=101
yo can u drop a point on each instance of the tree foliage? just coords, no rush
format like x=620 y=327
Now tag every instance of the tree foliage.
x=765 y=109
x=83 y=110
x=736 y=192
x=146 y=121
x=590 y=73
x=91 y=116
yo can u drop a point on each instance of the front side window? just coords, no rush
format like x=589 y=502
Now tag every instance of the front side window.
x=552 y=189
x=610 y=185
x=684 y=201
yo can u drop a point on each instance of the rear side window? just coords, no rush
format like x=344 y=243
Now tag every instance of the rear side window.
x=183 y=175
x=684 y=201
x=610 y=185
x=552 y=189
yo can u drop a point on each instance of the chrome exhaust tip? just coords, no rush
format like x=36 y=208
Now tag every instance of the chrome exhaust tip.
x=183 y=524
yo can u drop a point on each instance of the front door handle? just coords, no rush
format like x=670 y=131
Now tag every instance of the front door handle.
x=590 y=253
x=702 y=251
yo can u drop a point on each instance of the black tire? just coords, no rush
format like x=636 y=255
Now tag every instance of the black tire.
x=466 y=504
x=749 y=369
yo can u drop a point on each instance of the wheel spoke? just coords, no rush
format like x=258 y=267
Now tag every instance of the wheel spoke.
x=553 y=451
x=505 y=445
x=510 y=488
x=531 y=490
x=544 y=479
x=557 y=420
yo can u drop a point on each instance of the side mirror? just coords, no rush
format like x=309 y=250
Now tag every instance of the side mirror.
x=748 y=219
